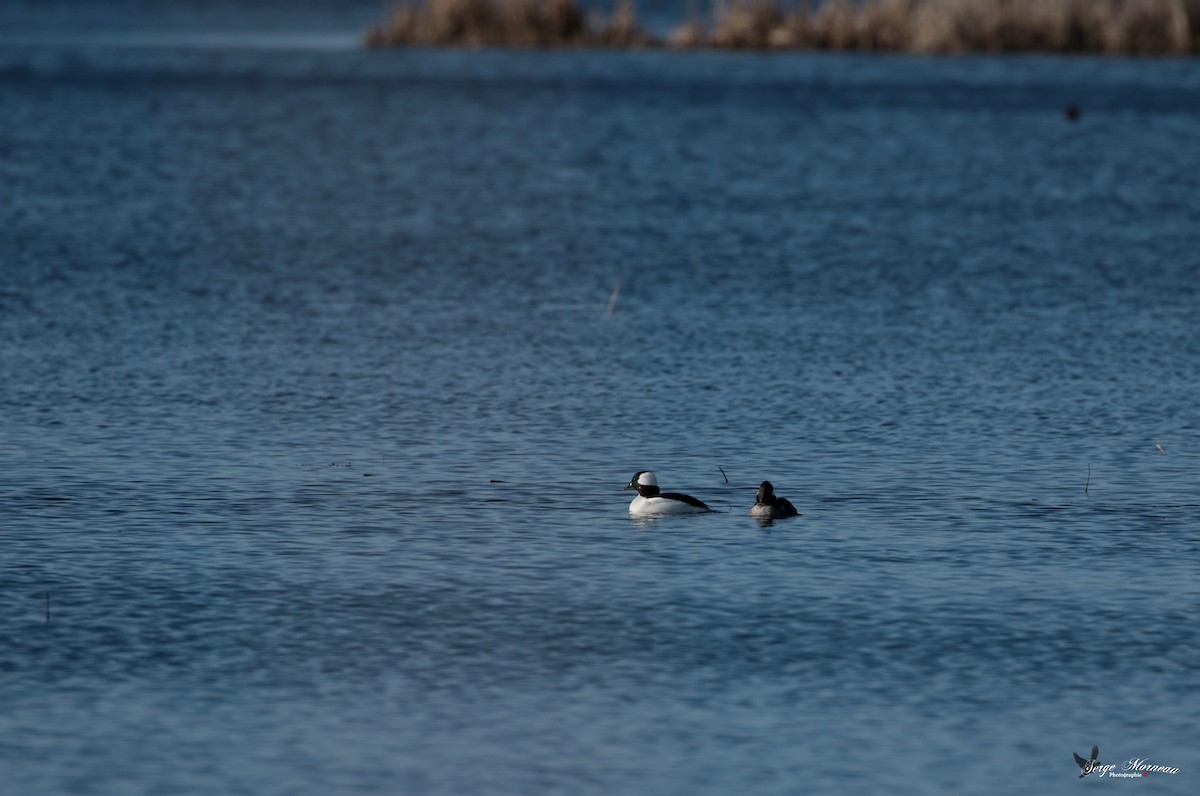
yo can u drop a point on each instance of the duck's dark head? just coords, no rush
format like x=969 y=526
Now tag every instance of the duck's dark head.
x=644 y=482
x=766 y=493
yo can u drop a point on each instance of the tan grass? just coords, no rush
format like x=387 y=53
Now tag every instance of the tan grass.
x=745 y=24
x=690 y=35
x=506 y=23
x=1141 y=27
x=622 y=29
x=1145 y=27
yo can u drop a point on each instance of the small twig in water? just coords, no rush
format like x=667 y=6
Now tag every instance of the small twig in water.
x=612 y=302
x=1089 y=481
x=723 y=473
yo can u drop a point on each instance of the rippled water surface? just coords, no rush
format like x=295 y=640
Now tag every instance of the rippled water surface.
x=315 y=420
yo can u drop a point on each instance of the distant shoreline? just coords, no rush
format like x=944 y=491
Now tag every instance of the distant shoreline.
x=1112 y=27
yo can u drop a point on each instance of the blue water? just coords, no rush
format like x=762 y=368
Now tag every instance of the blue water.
x=315 y=420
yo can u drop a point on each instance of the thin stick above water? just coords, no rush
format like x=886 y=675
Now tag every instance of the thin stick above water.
x=612 y=302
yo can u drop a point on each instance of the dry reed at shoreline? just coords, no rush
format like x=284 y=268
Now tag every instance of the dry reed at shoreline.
x=507 y=23
x=1125 y=27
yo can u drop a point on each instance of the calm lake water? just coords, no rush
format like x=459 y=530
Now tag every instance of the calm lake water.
x=315 y=420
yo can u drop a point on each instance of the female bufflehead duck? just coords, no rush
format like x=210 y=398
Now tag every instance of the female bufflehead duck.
x=769 y=507
x=650 y=501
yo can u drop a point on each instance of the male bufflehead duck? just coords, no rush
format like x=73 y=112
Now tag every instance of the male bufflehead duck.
x=650 y=501
x=769 y=507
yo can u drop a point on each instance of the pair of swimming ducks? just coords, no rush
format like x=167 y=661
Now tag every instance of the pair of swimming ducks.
x=649 y=500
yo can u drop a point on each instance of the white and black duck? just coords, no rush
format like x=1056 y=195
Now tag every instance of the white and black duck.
x=650 y=500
